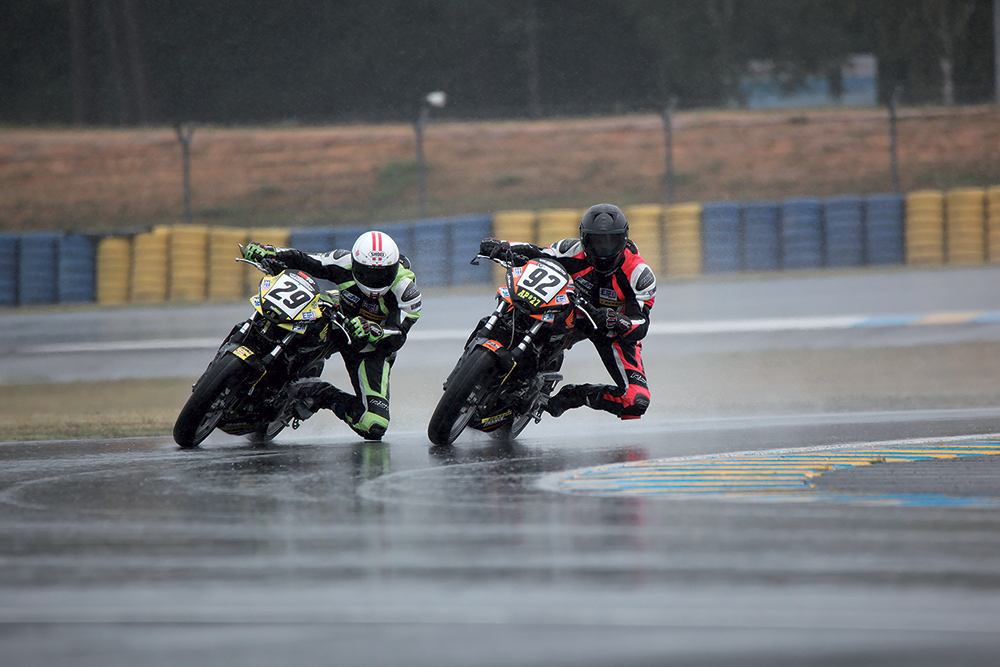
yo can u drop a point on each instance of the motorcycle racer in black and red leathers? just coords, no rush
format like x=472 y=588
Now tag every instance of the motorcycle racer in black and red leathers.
x=606 y=267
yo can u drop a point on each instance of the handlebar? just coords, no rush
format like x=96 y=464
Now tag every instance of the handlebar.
x=271 y=267
x=506 y=262
x=578 y=301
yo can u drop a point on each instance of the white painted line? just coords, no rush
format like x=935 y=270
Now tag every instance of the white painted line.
x=773 y=324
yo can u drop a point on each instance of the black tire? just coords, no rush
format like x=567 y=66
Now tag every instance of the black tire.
x=212 y=395
x=267 y=432
x=513 y=429
x=473 y=379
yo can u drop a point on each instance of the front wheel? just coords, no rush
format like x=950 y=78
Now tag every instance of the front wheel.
x=214 y=393
x=466 y=389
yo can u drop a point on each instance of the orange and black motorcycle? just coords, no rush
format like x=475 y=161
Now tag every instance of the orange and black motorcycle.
x=511 y=362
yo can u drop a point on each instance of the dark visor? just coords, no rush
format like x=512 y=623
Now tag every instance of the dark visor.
x=604 y=245
x=375 y=277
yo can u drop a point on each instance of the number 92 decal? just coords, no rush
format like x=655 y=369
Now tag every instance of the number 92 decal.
x=542 y=282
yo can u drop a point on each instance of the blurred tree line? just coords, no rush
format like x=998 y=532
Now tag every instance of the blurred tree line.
x=133 y=62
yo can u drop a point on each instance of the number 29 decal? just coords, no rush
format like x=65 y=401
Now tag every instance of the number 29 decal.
x=288 y=296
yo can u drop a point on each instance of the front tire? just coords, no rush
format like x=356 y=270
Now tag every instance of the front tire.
x=465 y=392
x=214 y=393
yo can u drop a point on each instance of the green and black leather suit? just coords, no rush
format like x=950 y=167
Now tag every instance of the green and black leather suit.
x=368 y=363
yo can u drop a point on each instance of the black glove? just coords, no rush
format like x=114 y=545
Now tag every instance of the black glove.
x=493 y=248
x=616 y=322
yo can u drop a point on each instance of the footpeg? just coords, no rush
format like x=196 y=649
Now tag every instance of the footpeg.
x=545 y=382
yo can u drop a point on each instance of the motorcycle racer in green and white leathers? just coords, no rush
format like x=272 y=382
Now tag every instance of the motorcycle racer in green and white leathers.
x=379 y=296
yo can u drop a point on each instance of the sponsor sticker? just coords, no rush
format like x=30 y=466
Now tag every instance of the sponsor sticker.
x=489 y=421
x=243 y=352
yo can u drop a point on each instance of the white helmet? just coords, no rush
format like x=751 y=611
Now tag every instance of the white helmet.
x=374 y=262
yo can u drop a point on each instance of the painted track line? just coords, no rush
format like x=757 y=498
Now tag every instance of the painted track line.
x=755 y=325
x=781 y=475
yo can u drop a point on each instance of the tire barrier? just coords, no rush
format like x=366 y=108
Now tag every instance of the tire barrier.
x=114 y=267
x=761 y=237
x=925 y=227
x=682 y=240
x=225 y=274
x=844 y=238
x=884 y=229
x=466 y=235
x=188 y=263
x=513 y=226
x=431 y=241
x=36 y=279
x=965 y=231
x=76 y=268
x=993 y=224
x=722 y=237
x=558 y=224
x=802 y=234
x=193 y=263
x=645 y=224
x=150 y=268
x=276 y=236
x=9 y=247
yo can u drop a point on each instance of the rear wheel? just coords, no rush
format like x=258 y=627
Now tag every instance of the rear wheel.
x=214 y=393
x=267 y=432
x=514 y=428
x=466 y=389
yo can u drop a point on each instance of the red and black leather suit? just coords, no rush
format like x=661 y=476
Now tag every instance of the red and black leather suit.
x=629 y=289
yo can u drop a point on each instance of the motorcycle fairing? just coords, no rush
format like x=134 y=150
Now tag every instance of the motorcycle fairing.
x=290 y=300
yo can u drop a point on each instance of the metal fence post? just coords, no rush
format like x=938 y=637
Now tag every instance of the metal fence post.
x=668 y=145
x=893 y=141
x=185 y=133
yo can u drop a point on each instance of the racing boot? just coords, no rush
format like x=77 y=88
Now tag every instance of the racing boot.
x=311 y=396
x=334 y=399
x=573 y=396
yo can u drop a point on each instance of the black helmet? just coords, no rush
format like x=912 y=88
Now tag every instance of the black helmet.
x=604 y=234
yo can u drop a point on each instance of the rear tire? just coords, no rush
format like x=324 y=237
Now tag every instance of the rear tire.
x=267 y=432
x=214 y=393
x=471 y=382
x=513 y=429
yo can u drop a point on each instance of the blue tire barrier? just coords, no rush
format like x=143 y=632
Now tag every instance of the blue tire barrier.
x=761 y=237
x=802 y=233
x=844 y=223
x=9 y=245
x=36 y=276
x=885 y=229
x=466 y=235
x=77 y=269
x=721 y=236
x=343 y=238
x=318 y=240
x=432 y=252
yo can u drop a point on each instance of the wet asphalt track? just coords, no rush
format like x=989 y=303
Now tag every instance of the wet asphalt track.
x=319 y=549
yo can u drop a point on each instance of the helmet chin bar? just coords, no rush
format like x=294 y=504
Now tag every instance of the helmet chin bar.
x=370 y=292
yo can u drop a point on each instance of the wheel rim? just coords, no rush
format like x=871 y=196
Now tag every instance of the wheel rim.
x=465 y=414
x=212 y=416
